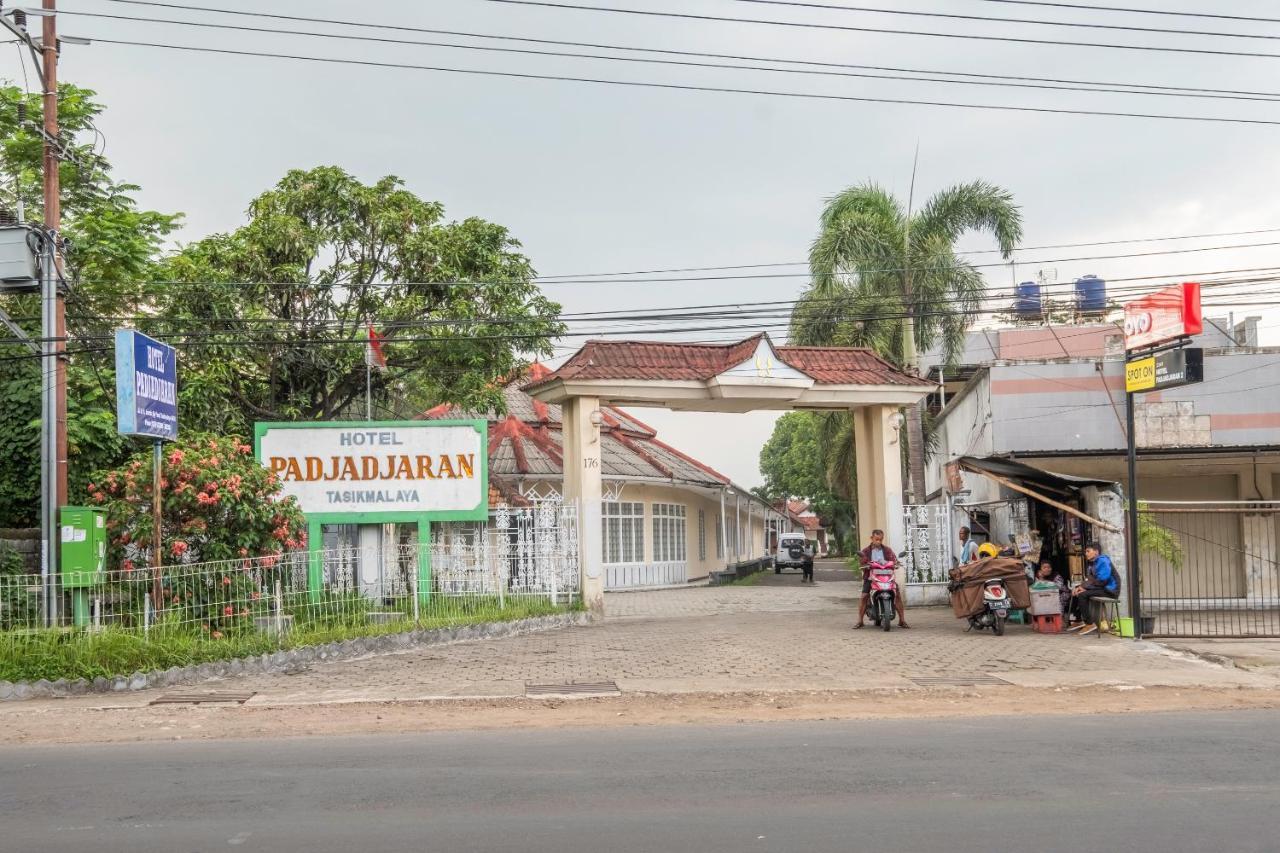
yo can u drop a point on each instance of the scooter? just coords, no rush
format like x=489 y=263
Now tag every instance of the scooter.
x=995 y=609
x=884 y=591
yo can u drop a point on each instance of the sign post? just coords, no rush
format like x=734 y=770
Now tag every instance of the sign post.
x=147 y=405
x=1157 y=328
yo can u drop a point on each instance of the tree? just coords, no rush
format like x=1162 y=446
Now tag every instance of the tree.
x=795 y=465
x=273 y=318
x=110 y=246
x=890 y=277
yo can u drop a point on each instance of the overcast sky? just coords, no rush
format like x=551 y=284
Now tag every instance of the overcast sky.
x=605 y=178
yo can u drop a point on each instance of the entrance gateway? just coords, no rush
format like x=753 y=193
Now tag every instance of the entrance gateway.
x=750 y=375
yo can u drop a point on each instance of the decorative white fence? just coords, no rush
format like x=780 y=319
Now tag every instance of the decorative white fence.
x=927 y=554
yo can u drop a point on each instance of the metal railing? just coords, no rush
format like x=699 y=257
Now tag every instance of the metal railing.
x=1211 y=569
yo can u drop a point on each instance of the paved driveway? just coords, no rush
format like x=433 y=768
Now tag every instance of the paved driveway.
x=777 y=635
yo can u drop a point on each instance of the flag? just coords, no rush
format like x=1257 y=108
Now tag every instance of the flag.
x=374 y=356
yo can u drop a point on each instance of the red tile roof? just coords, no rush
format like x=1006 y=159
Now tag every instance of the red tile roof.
x=526 y=440
x=623 y=360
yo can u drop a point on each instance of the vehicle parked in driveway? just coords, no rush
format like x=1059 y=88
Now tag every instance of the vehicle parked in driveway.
x=794 y=552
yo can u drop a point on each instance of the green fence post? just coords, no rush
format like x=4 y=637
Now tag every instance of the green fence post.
x=424 y=561
x=315 y=560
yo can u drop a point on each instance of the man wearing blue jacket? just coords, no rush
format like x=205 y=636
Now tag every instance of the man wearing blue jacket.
x=1101 y=581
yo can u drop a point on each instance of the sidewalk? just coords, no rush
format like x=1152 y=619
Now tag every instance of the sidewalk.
x=774 y=637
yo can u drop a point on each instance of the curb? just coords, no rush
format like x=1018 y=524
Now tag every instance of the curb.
x=286 y=660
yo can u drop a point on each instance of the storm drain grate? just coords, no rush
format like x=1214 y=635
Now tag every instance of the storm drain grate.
x=958 y=680
x=598 y=688
x=201 y=698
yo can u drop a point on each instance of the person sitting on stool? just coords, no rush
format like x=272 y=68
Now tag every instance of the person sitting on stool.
x=1101 y=581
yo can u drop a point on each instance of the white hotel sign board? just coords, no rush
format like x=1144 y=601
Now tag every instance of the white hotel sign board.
x=394 y=469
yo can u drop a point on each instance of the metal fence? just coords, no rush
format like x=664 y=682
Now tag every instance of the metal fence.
x=1211 y=569
x=522 y=559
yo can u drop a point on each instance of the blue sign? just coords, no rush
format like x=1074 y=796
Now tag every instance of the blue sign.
x=146 y=386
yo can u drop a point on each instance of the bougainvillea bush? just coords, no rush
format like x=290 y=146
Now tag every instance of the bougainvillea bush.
x=224 y=526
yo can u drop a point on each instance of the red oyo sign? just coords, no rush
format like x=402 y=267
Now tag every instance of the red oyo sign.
x=1165 y=315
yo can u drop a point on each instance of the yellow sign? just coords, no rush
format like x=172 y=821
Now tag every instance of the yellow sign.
x=1140 y=375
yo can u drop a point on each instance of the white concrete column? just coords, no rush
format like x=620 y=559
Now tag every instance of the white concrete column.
x=724 y=533
x=878 y=455
x=582 y=483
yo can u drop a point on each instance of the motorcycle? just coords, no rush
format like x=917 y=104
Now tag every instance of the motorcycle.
x=884 y=591
x=995 y=609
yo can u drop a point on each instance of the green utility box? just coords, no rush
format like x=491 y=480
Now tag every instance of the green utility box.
x=83 y=542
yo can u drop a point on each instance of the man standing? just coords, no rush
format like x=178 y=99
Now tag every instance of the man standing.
x=878 y=552
x=1101 y=581
x=968 y=548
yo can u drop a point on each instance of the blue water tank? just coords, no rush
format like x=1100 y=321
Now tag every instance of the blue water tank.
x=1091 y=295
x=1026 y=301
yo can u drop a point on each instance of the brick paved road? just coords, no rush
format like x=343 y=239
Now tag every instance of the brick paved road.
x=773 y=636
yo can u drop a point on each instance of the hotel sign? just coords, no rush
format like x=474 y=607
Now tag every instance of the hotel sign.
x=399 y=468
x=1167 y=369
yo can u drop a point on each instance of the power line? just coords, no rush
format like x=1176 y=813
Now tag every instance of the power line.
x=992 y=19
x=671 y=52
x=1124 y=9
x=1091 y=88
x=748 y=276
x=849 y=28
x=550 y=279
x=685 y=87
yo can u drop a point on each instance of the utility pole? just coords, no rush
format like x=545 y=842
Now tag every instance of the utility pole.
x=53 y=224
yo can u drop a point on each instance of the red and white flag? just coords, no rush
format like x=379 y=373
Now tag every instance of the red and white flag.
x=374 y=355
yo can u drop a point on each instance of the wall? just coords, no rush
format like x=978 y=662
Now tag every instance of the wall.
x=26 y=541
x=965 y=431
x=1064 y=405
x=752 y=545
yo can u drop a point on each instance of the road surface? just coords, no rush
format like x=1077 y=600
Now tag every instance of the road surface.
x=1168 y=782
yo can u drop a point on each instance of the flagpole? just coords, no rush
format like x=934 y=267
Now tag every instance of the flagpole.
x=368 y=380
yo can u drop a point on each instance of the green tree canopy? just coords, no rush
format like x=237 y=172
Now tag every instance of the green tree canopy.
x=110 y=246
x=796 y=465
x=273 y=317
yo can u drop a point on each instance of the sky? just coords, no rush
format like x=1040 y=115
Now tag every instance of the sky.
x=604 y=178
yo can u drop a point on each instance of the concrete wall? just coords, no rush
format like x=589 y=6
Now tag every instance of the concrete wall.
x=1064 y=405
x=965 y=431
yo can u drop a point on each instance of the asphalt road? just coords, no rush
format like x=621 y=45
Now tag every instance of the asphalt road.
x=1157 y=783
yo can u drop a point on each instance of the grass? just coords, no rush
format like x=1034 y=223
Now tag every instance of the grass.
x=750 y=580
x=55 y=654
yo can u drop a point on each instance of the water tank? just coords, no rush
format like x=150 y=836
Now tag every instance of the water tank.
x=1026 y=301
x=1091 y=295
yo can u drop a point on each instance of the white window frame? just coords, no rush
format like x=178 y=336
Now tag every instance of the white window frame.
x=702 y=535
x=670 y=533
x=622 y=526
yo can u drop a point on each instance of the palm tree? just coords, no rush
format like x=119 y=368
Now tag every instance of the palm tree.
x=890 y=278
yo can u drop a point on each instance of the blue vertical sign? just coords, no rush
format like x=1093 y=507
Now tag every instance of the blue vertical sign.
x=146 y=386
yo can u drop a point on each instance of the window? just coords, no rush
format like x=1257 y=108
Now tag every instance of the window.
x=668 y=533
x=623 y=523
x=702 y=535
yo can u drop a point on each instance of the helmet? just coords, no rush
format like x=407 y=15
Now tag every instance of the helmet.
x=986 y=549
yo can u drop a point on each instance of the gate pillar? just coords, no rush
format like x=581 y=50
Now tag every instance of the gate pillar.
x=582 y=485
x=878 y=455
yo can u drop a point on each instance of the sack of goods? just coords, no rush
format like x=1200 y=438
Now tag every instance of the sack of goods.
x=967 y=582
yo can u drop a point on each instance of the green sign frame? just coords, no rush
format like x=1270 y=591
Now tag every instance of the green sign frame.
x=316 y=521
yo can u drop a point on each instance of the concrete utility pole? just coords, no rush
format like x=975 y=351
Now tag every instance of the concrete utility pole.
x=53 y=223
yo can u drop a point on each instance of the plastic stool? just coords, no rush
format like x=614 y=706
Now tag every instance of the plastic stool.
x=1051 y=624
x=1111 y=610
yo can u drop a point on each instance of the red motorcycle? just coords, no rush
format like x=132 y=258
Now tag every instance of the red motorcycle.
x=884 y=594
